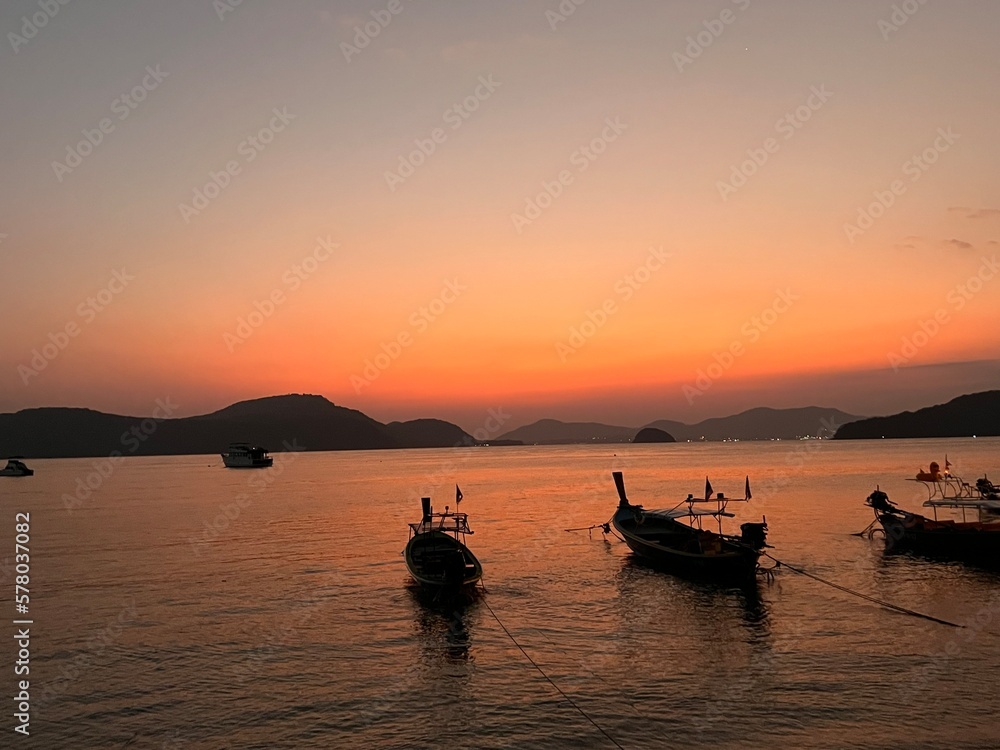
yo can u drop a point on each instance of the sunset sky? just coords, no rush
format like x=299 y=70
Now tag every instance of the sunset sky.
x=633 y=211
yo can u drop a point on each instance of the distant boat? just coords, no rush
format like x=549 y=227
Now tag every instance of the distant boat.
x=975 y=541
x=436 y=555
x=15 y=468
x=246 y=456
x=661 y=537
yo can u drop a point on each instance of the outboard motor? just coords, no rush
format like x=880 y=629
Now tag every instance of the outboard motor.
x=880 y=501
x=754 y=534
x=425 y=503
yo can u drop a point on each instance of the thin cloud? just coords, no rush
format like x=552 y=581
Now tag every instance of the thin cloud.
x=960 y=244
x=910 y=242
x=975 y=213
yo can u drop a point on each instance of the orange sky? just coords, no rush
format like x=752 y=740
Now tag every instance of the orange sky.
x=394 y=194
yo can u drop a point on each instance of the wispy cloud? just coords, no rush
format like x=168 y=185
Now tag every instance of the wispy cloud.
x=975 y=213
x=910 y=242
x=960 y=244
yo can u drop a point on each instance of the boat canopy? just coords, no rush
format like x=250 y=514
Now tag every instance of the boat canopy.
x=963 y=502
x=454 y=523
x=685 y=512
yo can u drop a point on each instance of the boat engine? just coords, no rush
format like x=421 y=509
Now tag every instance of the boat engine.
x=880 y=501
x=754 y=534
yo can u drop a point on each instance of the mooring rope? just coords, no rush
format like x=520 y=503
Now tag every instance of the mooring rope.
x=882 y=602
x=549 y=679
x=865 y=530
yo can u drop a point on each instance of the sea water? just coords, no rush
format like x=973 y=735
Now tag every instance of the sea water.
x=183 y=605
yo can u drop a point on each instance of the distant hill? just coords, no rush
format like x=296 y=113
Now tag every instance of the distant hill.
x=974 y=414
x=312 y=422
x=653 y=435
x=762 y=424
x=755 y=424
x=428 y=433
x=554 y=432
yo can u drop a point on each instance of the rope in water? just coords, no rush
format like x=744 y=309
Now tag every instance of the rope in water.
x=882 y=602
x=550 y=681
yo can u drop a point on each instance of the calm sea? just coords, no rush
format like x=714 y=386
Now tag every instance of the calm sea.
x=183 y=605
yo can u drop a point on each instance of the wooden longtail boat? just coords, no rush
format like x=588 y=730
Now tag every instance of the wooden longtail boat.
x=662 y=538
x=436 y=555
x=975 y=541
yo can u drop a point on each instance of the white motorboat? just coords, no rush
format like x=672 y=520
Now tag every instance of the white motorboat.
x=246 y=456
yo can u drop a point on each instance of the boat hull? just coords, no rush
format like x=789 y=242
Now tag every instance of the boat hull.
x=972 y=542
x=679 y=549
x=436 y=560
x=247 y=463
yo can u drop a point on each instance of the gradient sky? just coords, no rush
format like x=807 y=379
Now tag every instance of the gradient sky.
x=888 y=95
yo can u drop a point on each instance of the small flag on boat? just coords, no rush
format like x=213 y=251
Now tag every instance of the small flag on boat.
x=458 y=495
x=749 y=495
x=708 y=489
x=947 y=463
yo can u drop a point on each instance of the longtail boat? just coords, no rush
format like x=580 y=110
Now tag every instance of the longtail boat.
x=976 y=540
x=676 y=540
x=436 y=555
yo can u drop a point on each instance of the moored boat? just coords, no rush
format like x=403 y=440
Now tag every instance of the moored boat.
x=975 y=541
x=246 y=456
x=15 y=468
x=436 y=554
x=663 y=538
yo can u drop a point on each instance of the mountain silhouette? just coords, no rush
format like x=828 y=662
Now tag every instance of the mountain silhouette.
x=554 y=432
x=653 y=435
x=755 y=424
x=965 y=416
x=276 y=422
x=762 y=423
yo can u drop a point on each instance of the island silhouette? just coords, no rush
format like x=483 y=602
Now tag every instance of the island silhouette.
x=313 y=423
